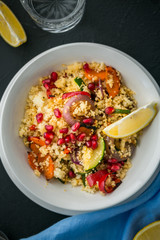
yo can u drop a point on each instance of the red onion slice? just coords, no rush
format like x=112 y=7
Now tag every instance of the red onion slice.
x=101 y=88
x=74 y=157
x=66 y=110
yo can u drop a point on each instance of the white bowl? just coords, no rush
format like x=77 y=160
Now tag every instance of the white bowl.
x=61 y=198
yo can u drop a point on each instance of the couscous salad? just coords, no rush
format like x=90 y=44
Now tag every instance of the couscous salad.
x=63 y=125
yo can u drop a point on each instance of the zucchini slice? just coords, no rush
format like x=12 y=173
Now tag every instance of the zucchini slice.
x=91 y=158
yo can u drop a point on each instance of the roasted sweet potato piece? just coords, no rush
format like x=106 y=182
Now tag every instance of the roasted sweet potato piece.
x=91 y=74
x=47 y=166
x=109 y=73
x=49 y=169
x=32 y=161
x=114 y=90
x=34 y=148
x=37 y=140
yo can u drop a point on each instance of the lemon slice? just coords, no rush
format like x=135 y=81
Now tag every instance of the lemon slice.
x=10 y=28
x=150 y=232
x=133 y=122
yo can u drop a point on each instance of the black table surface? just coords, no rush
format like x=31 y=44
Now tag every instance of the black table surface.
x=131 y=26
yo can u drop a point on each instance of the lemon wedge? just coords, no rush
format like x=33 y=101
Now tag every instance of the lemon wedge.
x=150 y=232
x=10 y=28
x=133 y=122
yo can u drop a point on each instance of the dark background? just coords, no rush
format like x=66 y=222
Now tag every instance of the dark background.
x=132 y=26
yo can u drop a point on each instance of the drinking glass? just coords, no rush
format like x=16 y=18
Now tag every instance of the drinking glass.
x=55 y=16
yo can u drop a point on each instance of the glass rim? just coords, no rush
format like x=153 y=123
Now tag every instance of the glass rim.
x=35 y=16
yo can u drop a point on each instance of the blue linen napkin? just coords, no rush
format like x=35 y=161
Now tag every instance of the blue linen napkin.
x=116 y=223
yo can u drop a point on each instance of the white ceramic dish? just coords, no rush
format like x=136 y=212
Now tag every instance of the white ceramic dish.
x=64 y=198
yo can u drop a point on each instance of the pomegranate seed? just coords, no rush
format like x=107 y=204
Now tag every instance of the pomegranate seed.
x=73 y=138
x=54 y=76
x=119 y=164
x=109 y=110
x=60 y=141
x=63 y=130
x=71 y=174
x=86 y=67
x=122 y=163
x=91 y=86
x=46 y=81
x=89 y=144
x=67 y=139
x=81 y=136
x=33 y=127
x=46 y=85
x=112 y=160
x=48 y=135
x=76 y=126
x=57 y=113
x=94 y=144
x=115 y=168
x=89 y=121
x=94 y=137
x=49 y=128
x=48 y=141
x=39 y=117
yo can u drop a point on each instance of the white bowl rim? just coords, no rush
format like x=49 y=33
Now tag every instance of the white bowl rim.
x=12 y=175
